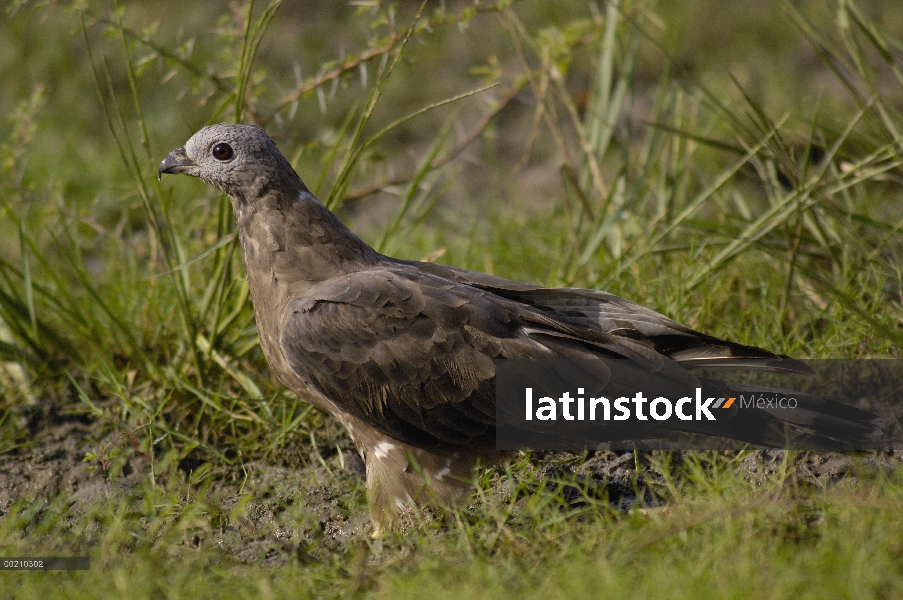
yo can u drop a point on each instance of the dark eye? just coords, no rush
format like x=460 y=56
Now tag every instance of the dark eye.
x=222 y=151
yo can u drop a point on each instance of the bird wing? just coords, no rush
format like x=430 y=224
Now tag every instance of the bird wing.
x=411 y=353
x=612 y=314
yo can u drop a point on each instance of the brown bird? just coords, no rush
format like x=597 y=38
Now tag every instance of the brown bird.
x=401 y=352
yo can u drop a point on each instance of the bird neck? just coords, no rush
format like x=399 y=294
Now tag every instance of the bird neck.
x=291 y=242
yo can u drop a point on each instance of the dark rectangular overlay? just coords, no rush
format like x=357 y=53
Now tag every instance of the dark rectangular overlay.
x=844 y=405
x=45 y=563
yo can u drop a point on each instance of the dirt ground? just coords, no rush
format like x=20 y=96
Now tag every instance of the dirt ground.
x=303 y=501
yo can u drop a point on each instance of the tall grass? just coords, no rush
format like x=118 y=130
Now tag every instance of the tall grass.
x=564 y=146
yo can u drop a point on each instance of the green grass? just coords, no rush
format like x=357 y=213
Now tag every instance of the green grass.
x=745 y=182
x=714 y=534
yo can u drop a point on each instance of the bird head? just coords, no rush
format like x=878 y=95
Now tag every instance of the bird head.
x=240 y=160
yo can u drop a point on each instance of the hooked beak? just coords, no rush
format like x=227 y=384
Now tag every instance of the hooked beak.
x=175 y=162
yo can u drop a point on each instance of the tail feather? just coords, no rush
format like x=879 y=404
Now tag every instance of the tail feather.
x=810 y=421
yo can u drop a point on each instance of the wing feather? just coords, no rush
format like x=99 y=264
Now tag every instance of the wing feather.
x=412 y=353
x=410 y=350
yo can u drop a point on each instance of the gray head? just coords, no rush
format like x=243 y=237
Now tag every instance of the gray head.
x=240 y=160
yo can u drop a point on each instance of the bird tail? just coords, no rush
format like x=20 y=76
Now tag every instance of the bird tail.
x=778 y=417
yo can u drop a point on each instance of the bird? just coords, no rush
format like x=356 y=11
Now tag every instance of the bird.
x=403 y=353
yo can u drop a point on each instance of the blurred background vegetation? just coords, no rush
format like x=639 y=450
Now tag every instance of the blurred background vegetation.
x=733 y=165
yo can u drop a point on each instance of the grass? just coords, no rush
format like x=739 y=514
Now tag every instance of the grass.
x=750 y=192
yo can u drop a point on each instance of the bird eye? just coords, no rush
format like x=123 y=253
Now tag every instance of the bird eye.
x=222 y=151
